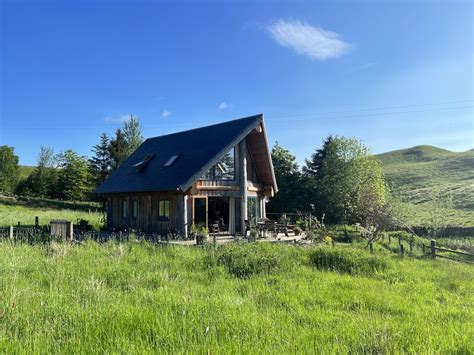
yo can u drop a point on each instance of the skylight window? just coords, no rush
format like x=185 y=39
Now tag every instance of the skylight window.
x=144 y=162
x=171 y=160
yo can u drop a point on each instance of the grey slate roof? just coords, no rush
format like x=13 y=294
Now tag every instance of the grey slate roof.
x=196 y=148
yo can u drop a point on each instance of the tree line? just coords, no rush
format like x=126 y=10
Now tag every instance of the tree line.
x=341 y=182
x=69 y=175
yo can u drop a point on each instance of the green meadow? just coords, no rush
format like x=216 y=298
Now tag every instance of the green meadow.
x=250 y=298
x=25 y=210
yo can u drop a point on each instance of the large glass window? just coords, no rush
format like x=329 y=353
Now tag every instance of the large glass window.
x=253 y=209
x=224 y=169
x=164 y=210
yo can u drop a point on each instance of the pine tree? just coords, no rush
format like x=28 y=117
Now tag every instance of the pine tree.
x=101 y=163
x=119 y=149
x=132 y=132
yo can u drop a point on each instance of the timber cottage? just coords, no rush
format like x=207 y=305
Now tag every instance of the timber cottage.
x=216 y=176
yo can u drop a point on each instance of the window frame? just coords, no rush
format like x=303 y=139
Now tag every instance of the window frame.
x=125 y=208
x=164 y=210
x=134 y=209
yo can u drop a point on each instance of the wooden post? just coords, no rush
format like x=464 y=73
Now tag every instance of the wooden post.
x=371 y=247
x=411 y=245
x=433 y=248
x=399 y=241
x=18 y=223
x=243 y=183
x=389 y=239
x=423 y=247
x=214 y=240
x=10 y=233
x=402 y=250
x=36 y=222
x=70 y=229
x=333 y=243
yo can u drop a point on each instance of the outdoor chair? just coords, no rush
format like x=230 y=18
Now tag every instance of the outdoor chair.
x=270 y=226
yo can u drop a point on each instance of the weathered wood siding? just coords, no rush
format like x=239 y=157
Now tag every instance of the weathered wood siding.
x=148 y=212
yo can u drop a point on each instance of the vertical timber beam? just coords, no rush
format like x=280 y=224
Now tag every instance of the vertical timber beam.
x=243 y=183
x=183 y=215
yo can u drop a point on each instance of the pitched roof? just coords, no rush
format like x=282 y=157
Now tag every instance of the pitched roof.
x=144 y=170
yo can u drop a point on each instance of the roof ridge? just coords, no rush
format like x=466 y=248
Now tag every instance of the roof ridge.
x=202 y=127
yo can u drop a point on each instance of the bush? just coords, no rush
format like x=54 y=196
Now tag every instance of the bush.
x=246 y=259
x=352 y=261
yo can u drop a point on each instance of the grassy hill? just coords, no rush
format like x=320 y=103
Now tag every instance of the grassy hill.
x=25 y=171
x=414 y=172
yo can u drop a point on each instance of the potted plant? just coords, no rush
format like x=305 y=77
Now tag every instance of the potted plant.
x=201 y=235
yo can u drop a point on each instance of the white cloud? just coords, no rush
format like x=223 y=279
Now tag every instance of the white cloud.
x=116 y=119
x=165 y=113
x=314 y=42
x=222 y=106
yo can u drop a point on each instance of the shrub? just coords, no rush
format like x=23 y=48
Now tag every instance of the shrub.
x=297 y=230
x=352 y=261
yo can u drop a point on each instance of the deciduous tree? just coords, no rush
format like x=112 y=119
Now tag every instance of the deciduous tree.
x=8 y=169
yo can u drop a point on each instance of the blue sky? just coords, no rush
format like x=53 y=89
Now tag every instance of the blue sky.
x=393 y=74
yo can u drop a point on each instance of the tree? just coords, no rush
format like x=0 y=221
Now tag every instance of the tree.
x=292 y=186
x=101 y=163
x=118 y=149
x=132 y=132
x=42 y=181
x=349 y=182
x=8 y=169
x=74 y=176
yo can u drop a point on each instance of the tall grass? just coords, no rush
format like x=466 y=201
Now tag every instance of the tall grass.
x=137 y=297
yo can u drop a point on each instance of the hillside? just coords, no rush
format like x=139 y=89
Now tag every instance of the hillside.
x=414 y=172
x=25 y=171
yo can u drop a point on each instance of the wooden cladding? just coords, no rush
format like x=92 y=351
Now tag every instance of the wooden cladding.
x=153 y=212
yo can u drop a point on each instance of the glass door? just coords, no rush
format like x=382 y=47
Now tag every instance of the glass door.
x=200 y=211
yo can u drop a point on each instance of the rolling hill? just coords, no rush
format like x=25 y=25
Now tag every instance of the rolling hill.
x=414 y=173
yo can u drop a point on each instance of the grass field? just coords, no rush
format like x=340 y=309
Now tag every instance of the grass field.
x=413 y=173
x=25 y=210
x=240 y=298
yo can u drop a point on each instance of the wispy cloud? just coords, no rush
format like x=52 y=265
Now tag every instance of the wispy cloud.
x=165 y=113
x=315 y=42
x=116 y=119
x=222 y=106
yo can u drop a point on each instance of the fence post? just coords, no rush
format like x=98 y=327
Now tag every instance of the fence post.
x=18 y=223
x=411 y=246
x=389 y=239
x=433 y=248
x=402 y=250
x=70 y=227
x=371 y=246
x=10 y=233
x=214 y=240
x=399 y=241
x=36 y=221
x=423 y=247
